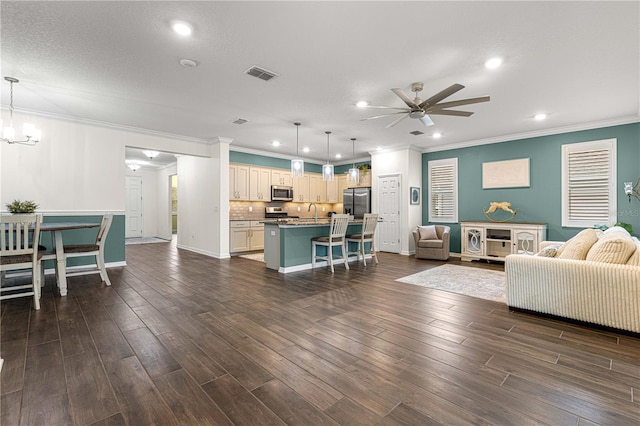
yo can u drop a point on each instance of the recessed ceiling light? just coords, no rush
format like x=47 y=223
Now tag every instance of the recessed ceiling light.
x=493 y=63
x=306 y=149
x=182 y=28
x=437 y=135
x=338 y=155
x=362 y=104
x=540 y=116
x=275 y=143
x=379 y=148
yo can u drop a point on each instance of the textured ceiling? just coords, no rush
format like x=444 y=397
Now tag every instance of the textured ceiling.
x=117 y=62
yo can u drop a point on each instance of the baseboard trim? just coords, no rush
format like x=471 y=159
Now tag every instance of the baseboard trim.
x=205 y=252
x=322 y=263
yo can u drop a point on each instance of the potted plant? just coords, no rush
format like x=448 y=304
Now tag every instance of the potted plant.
x=364 y=168
x=22 y=207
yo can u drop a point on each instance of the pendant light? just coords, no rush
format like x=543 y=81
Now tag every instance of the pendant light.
x=354 y=173
x=31 y=134
x=327 y=169
x=297 y=164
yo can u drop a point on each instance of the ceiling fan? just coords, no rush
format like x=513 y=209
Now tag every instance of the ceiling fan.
x=417 y=108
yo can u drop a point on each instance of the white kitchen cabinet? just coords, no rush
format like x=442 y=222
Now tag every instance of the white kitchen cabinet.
x=333 y=195
x=246 y=235
x=301 y=189
x=317 y=189
x=238 y=182
x=281 y=177
x=496 y=240
x=259 y=184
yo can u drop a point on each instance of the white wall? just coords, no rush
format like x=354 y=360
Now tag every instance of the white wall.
x=407 y=163
x=203 y=207
x=78 y=167
x=163 y=201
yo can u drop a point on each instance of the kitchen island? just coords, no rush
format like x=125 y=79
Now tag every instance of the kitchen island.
x=287 y=244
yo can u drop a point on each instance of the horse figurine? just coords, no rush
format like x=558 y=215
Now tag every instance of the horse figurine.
x=503 y=205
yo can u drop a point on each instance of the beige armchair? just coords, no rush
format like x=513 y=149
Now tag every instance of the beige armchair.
x=428 y=247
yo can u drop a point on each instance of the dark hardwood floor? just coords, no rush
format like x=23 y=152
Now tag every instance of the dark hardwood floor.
x=184 y=339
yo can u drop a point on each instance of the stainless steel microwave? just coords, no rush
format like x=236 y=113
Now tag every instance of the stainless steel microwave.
x=281 y=193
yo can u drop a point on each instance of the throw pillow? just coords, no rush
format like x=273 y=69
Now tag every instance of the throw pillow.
x=427 y=232
x=549 y=251
x=578 y=246
x=634 y=260
x=612 y=248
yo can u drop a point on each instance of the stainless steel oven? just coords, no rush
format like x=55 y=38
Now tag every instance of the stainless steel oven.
x=281 y=193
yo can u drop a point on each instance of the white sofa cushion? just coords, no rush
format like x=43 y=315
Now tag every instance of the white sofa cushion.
x=578 y=246
x=614 y=246
x=634 y=260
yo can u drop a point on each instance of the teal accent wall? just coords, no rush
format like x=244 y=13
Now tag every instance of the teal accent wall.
x=264 y=161
x=114 y=249
x=541 y=202
x=280 y=163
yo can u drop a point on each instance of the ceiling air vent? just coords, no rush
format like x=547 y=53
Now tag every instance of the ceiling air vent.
x=239 y=121
x=261 y=73
x=416 y=133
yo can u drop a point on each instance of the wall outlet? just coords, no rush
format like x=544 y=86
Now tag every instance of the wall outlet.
x=323 y=209
x=298 y=208
x=250 y=208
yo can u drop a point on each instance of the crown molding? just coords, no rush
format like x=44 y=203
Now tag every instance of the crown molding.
x=108 y=125
x=538 y=133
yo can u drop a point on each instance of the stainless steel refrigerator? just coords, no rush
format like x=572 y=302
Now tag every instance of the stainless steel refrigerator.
x=356 y=201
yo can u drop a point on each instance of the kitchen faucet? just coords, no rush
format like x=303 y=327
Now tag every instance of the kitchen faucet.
x=315 y=211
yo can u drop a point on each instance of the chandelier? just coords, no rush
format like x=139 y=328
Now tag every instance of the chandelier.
x=31 y=134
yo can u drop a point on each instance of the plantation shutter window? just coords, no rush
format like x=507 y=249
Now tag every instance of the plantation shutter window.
x=443 y=190
x=588 y=183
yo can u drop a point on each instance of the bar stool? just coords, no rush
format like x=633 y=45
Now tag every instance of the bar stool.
x=336 y=238
x=369 y=223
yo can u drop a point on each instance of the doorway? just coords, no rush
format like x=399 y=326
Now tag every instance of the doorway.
x=133 y=207
x=389 y=211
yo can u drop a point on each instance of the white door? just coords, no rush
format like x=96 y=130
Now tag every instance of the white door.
x=389 y=211
x=133 y=208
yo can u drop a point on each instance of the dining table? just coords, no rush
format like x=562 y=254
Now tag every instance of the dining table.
x=57 y=229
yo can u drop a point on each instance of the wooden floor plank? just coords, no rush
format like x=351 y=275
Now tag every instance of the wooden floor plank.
x=239 y=404
x=189 y=403
x=182 y=338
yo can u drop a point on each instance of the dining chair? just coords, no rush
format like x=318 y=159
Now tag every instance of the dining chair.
x=336 y=238
x=367 y=235
x=19 y=251
x=91 y=250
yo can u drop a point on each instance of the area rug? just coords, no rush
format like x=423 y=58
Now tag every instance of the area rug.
x=481 y=283
x=145 y=240
x=253 y=256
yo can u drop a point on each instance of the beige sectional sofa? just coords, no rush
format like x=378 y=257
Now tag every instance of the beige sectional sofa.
x=594 y=277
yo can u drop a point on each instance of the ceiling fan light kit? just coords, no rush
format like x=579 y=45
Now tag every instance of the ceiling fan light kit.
x=418 y=109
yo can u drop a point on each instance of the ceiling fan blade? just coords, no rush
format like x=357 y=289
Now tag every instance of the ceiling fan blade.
x=441 y=95
x=451 y=112
x=381 y=116
x=426 y=120
x=407 y=100
x=397 y=121
x=459 y=103
x=386 y=107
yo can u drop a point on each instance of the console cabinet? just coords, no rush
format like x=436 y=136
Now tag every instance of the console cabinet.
x=496 y=240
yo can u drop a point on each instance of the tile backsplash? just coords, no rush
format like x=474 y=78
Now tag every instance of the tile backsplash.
x=254 y=210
